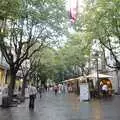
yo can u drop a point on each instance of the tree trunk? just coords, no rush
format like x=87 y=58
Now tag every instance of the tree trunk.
x=23 y=87
x=82 y=71
x=38 y=81
x=11 y=84
x=78 y=88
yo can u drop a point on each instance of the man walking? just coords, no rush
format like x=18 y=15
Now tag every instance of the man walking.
x=56 y=89
x=40 y=91
x=32 y=96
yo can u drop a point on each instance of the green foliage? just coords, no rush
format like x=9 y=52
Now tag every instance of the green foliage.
x=101 y=19
x=25 y=23
x=9 y=8
x=76 y=49
x=27 y=26
x=62 y=63
x=44 y=63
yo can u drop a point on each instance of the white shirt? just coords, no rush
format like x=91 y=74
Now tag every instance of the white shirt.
x=32 y=90
x=104 y=87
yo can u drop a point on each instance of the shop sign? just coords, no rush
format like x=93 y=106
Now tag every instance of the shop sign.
x=84 y=92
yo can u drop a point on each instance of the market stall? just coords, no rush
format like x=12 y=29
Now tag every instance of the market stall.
x=80 y=85
x=103 y=82
x=72 y=84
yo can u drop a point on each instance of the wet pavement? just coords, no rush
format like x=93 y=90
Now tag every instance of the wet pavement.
x=65 y=107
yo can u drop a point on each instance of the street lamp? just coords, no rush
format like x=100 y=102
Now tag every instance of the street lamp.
x=97 y=72
x=87 y=66
x=96 y=58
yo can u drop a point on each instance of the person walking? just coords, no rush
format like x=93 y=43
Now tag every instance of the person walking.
x=40 y=91
x=56 y=89
x=32 y=96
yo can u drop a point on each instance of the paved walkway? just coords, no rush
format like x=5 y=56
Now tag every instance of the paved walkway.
x=65 y=107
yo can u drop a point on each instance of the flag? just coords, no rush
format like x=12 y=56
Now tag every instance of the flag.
x=72 y=8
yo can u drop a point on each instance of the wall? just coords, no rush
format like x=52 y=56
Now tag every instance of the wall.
x=3 y=70
x=115 y=79
x=2 y=77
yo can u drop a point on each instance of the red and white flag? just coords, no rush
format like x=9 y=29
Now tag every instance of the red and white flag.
x=72 y=8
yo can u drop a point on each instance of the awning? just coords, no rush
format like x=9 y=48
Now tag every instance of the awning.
x=94 y=75
x=4 y=67
x=70 y=80
x=75 y=79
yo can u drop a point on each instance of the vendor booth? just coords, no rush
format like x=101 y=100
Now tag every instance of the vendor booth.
x=102 y=80
x=72 y=84
x=79 y=85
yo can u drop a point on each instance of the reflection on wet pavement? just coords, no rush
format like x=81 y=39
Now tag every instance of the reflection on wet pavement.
x=65 y=107
x=73 y=100
x=96 y=110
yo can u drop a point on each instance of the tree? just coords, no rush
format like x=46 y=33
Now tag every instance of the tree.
x=59 y=64
x=27 y=28
x=101 y=19
x=75 y=52
x=27 y=69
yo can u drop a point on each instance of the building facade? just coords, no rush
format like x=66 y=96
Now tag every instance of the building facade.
x=101 y=61
x=4 y=67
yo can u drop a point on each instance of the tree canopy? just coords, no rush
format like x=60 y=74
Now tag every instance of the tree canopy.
x=26 y=27
x=101 y=19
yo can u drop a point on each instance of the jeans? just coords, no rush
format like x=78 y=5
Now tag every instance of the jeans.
x=31 y=102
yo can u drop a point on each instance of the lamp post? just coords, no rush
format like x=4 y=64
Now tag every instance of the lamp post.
x=97 y=66
x=97 y=72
